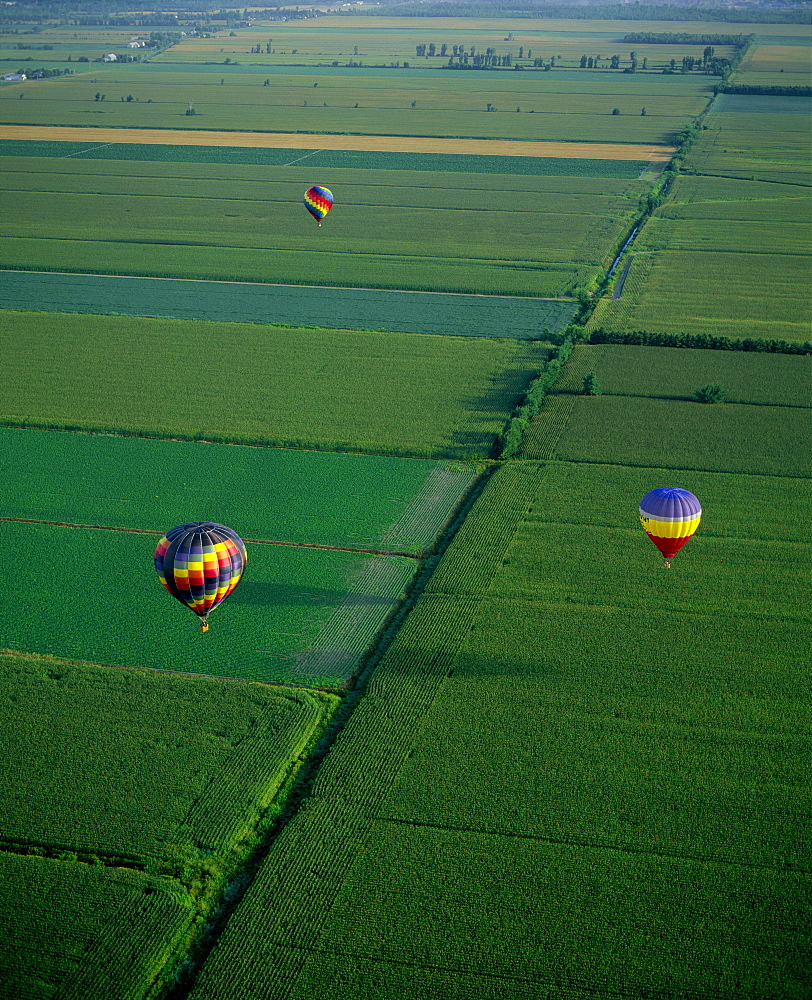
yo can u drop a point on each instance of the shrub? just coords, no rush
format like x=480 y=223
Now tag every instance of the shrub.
x=591 y=385
x=712 y=393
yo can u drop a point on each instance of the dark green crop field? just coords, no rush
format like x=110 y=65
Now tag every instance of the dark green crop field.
x=143 y=765
x=78 y=930
x=664 y=373
x=607 y=747
x=300 y=616
x=328 y=159
x=328 y=308
x=672 y=434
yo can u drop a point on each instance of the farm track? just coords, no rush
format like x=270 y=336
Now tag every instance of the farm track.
x=365 y=143
x=253 y=541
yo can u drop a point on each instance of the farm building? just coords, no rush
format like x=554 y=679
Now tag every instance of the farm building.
x=13 y=77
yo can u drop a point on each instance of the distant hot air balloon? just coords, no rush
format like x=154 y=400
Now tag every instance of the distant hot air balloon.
x=200 y=563
x=318 y=201
x=669 y=515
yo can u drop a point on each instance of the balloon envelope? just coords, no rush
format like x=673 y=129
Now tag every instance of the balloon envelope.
x=200 y=563
x=318 y=201
x=669 y=516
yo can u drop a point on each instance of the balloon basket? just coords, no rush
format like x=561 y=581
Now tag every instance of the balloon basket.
x=204 y=626
x=668 y=564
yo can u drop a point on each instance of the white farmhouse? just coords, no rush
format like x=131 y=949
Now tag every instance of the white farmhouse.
x=109 y=58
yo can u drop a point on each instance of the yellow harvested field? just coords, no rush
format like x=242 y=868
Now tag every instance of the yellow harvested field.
x=366 y=143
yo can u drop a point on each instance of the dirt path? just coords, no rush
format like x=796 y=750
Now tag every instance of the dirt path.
x=365 y=143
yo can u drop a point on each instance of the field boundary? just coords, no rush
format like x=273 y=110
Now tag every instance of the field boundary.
x=253 y=541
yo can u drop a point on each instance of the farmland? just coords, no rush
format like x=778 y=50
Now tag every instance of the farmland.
x=607 y=767
x=108 y=930
x=317 y=592
x=727 y=257
x=660 y=372
x=161 y=784
x=393 y=229
x=285 y=496
x=336 y=392
x=458 y=733
x=336 y=308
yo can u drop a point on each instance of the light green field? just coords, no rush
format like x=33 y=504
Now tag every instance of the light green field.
x=337 y=391
x=773 y=148
x=268 y=494
x=728 y=257
x=300 y=616
x=390 y=229
x=735 y=295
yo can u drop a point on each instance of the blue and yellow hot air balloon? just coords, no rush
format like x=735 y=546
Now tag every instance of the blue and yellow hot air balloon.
x=669 y=515
x=318 y=201
x=200 y=563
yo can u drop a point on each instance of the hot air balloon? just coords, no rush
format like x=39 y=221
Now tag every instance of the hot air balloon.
x=669 y=515
x=318 y=201
x=200 y=563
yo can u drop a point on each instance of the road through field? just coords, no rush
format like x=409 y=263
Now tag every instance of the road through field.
x=366 y=143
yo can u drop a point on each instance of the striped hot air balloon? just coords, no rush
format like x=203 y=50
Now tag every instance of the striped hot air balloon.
x=200 y=563
x=669 y=515
x=318 y=201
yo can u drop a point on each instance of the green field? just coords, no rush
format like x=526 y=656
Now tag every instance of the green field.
x=605 y=747
x=670 y=434
x=143 y=765
x=722 y=258
x=268 y=494
x=337 y=391
x=302 y=616
x=331 y=159
x=416 y=230
x=736 y=295
x=77 y=930
x=665 y=373
x=541 y=765
x=336 y=308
